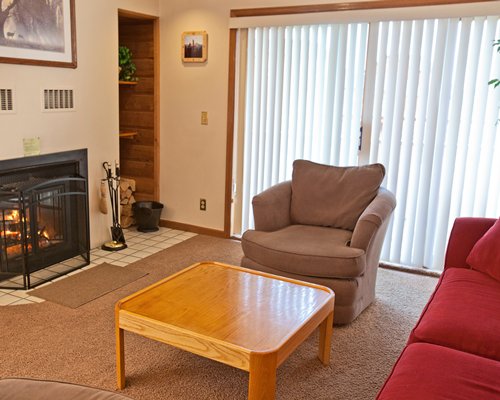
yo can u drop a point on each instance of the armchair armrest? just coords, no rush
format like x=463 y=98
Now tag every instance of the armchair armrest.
x=464 y=235
x=377 y=212
x=271 y=208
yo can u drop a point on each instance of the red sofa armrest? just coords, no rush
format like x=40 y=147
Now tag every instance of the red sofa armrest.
x=464 y=235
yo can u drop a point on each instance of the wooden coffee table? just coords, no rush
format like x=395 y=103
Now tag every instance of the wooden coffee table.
x=247 y=319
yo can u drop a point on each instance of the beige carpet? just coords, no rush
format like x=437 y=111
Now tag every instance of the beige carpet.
x=77 y=290
x=50 y=341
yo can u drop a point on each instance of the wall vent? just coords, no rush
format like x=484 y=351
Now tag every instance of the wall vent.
x=6 y=101
x=58 y=100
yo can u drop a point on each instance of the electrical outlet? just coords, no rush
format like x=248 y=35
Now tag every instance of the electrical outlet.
x=203 y=204
x=204 y=117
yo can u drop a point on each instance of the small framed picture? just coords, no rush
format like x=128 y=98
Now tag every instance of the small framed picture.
x=194 y=47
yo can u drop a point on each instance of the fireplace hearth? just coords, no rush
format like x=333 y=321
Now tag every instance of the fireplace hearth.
x=43 y=218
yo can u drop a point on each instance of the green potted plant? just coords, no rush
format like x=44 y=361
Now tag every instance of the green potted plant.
x=126 y=66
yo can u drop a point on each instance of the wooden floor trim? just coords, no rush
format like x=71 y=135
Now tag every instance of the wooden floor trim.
x=192 y=228
x=346 y=6
x=410 y=270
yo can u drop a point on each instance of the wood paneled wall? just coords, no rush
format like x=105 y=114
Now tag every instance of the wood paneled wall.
x=137 y=109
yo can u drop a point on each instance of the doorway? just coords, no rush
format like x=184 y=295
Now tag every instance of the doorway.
x=139 y=105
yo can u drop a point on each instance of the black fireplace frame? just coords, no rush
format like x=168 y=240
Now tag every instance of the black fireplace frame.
x=75 y=159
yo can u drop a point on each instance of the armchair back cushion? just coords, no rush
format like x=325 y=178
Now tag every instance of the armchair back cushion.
x=324 y=195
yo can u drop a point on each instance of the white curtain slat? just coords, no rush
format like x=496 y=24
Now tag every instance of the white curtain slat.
x=402 y=214
x=431 y=115
x=262 y=104
x=278 y=106
x=328 y=99
x=473 y=144
x=302 y=95
x=347 y=138
x=368 y=108
x=267 y=139
x=339 y=95
x=286 y=98
x=459 y=178
x=400 y=58
x=450 y=155
x=436 y=179
x=412 y=238
x=377 y=122
x=293 y=114
x=306 y=136
x=314 y=149
x=389 y=102
x=358 y=91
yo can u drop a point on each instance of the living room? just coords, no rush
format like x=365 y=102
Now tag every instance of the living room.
x=194 y=163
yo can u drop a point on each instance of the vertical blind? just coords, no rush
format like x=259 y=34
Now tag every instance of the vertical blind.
x=303 y=99
x=432 y=124
x=427 y=114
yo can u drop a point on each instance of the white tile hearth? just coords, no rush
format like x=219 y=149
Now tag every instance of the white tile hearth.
x=140 y=245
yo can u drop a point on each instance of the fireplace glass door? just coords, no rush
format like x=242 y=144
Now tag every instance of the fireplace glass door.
x=44 y=229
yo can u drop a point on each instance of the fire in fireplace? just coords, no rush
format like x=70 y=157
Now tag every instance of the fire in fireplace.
x=43 y=218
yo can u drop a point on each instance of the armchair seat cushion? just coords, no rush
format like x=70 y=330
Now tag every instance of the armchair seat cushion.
x=306 y=250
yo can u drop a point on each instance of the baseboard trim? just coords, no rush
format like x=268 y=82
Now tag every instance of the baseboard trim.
x=192 y=228
x=410 y=270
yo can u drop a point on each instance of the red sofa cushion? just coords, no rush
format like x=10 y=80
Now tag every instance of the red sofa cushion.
x=463 y=313
x=485 y=255
x=418 y=374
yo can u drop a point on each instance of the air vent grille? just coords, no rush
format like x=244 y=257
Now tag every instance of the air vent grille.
x=58 y=100
x=6 y=100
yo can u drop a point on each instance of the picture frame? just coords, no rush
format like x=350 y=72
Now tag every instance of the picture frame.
x=194 y=47
x=51 y=43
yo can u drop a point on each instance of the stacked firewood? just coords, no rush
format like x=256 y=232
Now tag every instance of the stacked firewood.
x=127 y=189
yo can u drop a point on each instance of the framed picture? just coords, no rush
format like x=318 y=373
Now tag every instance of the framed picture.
x=194 y=46
x=36 y=32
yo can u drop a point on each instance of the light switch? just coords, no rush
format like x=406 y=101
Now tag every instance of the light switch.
x=204 y=117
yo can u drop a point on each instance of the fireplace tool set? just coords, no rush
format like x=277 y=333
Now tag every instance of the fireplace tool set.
x=118 y=239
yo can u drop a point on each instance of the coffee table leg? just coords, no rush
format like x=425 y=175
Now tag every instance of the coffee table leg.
x=262 y=382
x=325 y=339
x=120 y=358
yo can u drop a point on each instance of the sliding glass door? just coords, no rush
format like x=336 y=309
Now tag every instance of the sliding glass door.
x=419 y=91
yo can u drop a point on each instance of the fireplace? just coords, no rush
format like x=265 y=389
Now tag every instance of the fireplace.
x=44 y=223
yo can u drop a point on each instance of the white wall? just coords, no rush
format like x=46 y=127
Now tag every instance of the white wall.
x=94 y=124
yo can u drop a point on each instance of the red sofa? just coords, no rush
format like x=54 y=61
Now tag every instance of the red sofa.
x=454 y=350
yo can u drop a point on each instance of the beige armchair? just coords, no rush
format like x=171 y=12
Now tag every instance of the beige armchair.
x=327 y=226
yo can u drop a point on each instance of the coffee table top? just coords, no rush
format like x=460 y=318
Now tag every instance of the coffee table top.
x=245 y=308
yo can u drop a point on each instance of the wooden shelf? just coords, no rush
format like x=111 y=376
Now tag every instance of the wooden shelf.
x=127 y=82
x=128 y=134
